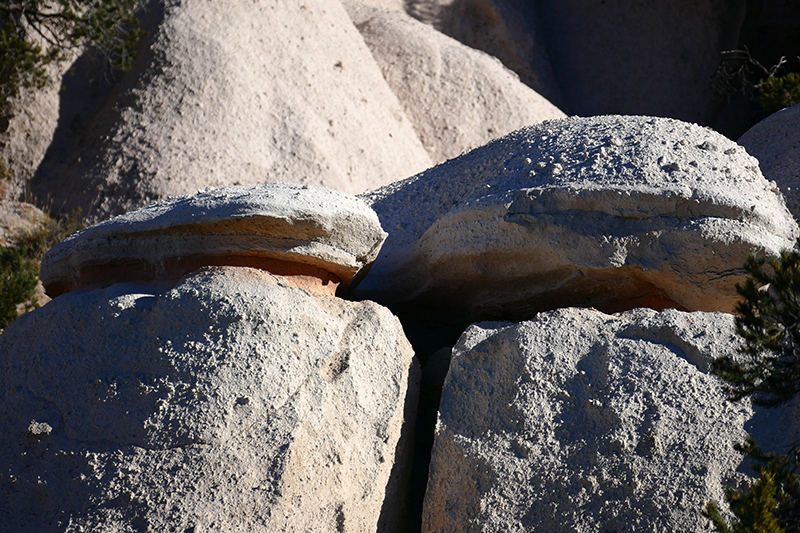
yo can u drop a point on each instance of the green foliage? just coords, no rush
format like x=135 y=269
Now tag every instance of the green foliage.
x=739 y=72
x=776 y=92
x=754 y=509
x=36 y=33
x=769 y=324
x=17 y=282
x=767 y=371
x=19 y=265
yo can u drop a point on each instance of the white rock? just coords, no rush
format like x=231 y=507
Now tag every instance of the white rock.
x=329 y=231
x=232 y=402
x=775 y=142
x=458 y=98
x=612 y=212
x=580 y=421
x=239 y=93
x=505 y=29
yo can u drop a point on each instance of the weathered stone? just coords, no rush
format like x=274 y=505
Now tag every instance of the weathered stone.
x=232 y=402
x=505 y=29
x=775 y=142
x=18 y=218
x=325 y=237
x=611 y=212
x=236 y=94
x=456 y=97
x=586 y=422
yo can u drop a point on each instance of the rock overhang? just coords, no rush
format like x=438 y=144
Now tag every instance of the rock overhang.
x=322 y=237
x=656 y=208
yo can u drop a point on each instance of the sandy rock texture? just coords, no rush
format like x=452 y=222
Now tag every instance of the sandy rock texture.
x=18 y=218
x=775 y=142
x=240 y=93
x=639 y=58
x=280 y=226
x=613 y=212
x=506 y=29
x=585 y=422
x=231 y=402
x=457 y=98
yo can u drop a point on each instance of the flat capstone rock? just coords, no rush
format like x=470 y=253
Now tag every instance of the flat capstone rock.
x=611 y=212
x=294 y=230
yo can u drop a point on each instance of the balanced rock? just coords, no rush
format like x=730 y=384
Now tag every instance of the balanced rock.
x=612 y=212
x=231 y=402
x=235 y=94
x=320 y=237
x=586 y=422
x=775 y=142
x=457 y=98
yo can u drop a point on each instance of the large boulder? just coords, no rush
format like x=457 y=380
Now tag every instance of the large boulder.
x=775 y=142
x=231 y=402
x=586 y=422
x=326 y=236
x=240 y=93
x=612 y=212
x=457 y=98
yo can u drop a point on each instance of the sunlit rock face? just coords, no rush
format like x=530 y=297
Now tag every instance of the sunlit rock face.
x=612 y=212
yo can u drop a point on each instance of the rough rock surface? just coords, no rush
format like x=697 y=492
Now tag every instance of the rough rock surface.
x=775 y=142
x=457 y=98
x=505 y=29
x=232 y=402
x=26 y=134
x=17 y=218
x=586 y=422
x=311 y=231
x=639 y=58
x=612 y=212
x=240 y=93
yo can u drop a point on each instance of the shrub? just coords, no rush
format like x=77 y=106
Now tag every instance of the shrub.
x=776 y=92
x=19 y=264
x=769 y=373
x=36 y=33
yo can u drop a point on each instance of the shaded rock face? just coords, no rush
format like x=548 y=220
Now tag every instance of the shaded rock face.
x=581 y=421
x=639 y=58
x=232 y=402
x=775 y=142
x=457 y=98
x=612 y=212
x=243 y=93
x=294 y=230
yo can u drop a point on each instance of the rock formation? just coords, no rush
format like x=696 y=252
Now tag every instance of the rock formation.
x=775 y=142
x=506 y=29
x=612 y=212
x=288 y=229
x=243 y=93
x=456 y=97
x=228 y=400
x=199 y=368
x=582 y=421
